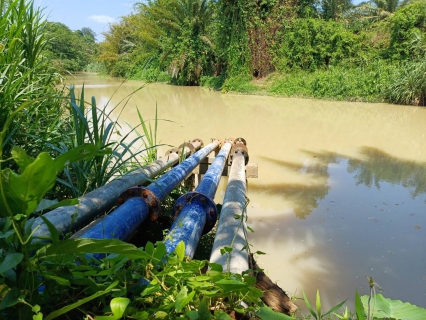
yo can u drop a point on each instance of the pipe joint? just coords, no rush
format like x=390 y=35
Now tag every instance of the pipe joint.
x=188 y=145
x=209 y=206
x=239 y=148
x=197 y=141
x=171 y=151
x=152 y=201
x=220 y=142
x=240 y=140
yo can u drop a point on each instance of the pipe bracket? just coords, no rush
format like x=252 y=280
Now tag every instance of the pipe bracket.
x=152 y=201
x=208 y=205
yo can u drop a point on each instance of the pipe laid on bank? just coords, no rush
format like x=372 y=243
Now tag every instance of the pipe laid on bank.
x=140 y=202
x=70 y=218
x=195 y=212
x=231 y=231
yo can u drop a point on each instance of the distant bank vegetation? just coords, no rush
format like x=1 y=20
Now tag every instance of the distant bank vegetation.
x=374 y=51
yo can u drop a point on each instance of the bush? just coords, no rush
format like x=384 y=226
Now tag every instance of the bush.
x=314 y=43
x=406 y=23
x=408 y=85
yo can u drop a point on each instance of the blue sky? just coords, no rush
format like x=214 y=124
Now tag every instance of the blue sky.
x=95 y=14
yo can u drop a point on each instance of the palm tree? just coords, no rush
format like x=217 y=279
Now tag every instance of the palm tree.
x=176 y=33
x=379 y=9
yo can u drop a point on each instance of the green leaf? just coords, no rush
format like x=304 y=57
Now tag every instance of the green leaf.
x=11 y=298
x=61 y=281
x=250 y=229
x=82 y=246
x=180 y=250
x=192 y=315
x=308 y=304
x=182 y=299
x=220 y=315
x=24 y=192
x=225 y=250
x=74 y=305
x=160 y=315
x=395 y=309
x=21 y=158
x=359 y=308
x=318 y=304
x=269 y=314
x=46 y=204
x=152 y=287
x=149 y=248
x=203 y=310
x=160 y=251
x=54 y=234
x=335 y=308
x=11 y=260
x=85 y=151
x=231 y=285
x=118 y=306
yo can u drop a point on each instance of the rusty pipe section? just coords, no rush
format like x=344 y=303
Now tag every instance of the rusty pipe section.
x=138 y=203
x=70 y=218
x=195 y=212
x=231 y=231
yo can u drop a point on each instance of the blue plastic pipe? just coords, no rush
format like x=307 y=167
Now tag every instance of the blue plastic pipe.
x=70 y=218
x=196 y=212
x=123 y=221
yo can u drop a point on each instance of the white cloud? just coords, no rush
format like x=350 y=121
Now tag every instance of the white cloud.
x=102 y=19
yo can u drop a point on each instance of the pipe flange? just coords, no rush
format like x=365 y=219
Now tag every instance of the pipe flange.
x=206 y=202
x=198 y=140
x=220 y=142
x=240 y=140
x=146 y=195
x=189 y=145
x=239 y=148
x=231 y=140
x=172 y=150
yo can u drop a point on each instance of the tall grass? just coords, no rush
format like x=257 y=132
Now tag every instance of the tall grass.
x=366 y=83
x=409 y=84
x=25 y=75
x=90 y=124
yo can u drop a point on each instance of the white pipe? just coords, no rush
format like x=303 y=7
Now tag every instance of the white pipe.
x=231 y=231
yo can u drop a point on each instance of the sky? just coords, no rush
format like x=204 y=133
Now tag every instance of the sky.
x=94 y=14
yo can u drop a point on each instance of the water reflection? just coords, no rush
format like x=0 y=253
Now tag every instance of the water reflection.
x=377 y=166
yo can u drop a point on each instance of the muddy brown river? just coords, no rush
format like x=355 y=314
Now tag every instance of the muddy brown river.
x=341 y=192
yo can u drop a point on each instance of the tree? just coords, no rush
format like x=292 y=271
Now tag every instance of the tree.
x=70 y=50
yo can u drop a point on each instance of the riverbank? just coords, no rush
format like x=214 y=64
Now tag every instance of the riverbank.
x=376 y=82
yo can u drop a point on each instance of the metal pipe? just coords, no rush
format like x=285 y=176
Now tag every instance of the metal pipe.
x=195 y=212
x=71 y=218
x=140 y=202
x=231 y=231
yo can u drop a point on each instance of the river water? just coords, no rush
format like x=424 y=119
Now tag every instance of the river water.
x=341 y=192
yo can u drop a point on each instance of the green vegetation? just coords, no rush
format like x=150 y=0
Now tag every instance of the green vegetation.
x=57 y=147
x=225 y=45
x=70 y=50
